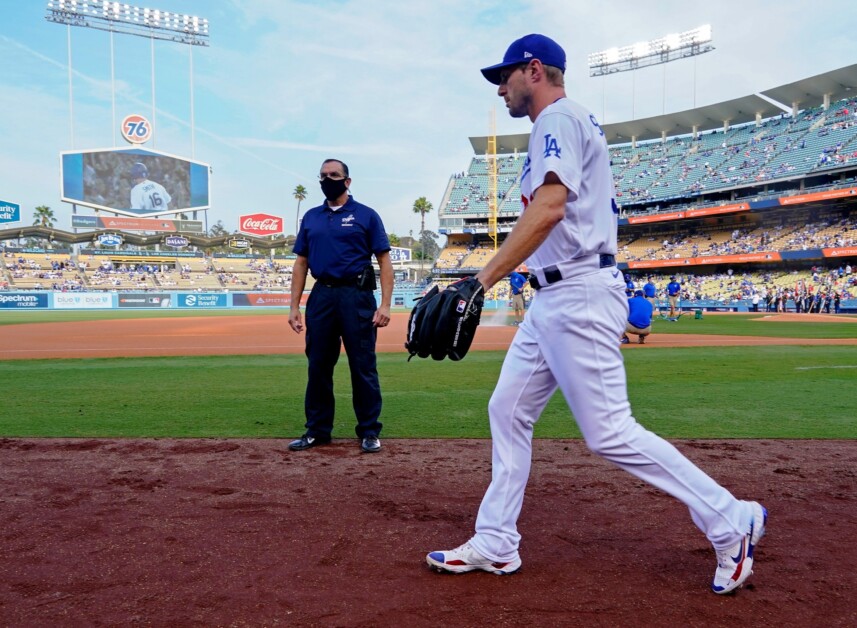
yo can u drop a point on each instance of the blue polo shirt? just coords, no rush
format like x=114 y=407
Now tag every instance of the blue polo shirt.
x=673 y=288
x=650 y=290
x=517 y=281
x=640 y=312
x=339 y=244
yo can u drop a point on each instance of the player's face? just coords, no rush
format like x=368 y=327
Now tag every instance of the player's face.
x=515 y=90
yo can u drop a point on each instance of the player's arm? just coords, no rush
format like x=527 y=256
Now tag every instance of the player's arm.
x=543 y=213
x=136 y=198
x=166 y=198
x=382 y=314
x=299 y=271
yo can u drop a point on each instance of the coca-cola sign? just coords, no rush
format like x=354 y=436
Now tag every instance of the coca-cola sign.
x=260 y=224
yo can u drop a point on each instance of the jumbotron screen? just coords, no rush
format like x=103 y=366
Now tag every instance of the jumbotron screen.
x=134 y=182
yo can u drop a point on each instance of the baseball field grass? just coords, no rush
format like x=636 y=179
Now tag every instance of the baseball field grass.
x=701 y=392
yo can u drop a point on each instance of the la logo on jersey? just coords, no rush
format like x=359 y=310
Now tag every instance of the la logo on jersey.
x=551 y=146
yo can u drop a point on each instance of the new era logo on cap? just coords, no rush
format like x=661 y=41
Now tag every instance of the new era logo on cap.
x=524 y=50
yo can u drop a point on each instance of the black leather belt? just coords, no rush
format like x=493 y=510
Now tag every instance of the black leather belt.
x=339 y=283
x=553 y=274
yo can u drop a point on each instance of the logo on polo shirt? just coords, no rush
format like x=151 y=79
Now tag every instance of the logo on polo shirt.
x=348 y=221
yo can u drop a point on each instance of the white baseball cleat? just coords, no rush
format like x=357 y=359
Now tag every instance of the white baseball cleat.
x=735 y=564
x=464 y=558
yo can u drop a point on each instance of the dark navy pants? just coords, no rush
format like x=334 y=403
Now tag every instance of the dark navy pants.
x=335 y=316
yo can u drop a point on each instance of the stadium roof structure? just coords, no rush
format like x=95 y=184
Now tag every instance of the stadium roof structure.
x=809 y=92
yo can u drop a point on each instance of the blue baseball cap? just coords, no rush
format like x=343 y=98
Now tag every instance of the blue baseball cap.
x=526 y=49
x=139 y=171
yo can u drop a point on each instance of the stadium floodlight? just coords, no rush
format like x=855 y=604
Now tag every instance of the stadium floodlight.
x=118 y=17
x=654 y=52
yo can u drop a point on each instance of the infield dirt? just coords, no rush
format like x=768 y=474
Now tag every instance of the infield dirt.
x=244 y=532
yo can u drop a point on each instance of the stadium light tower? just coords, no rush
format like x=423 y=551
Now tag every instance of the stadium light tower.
x=117 y=17
x=659 y=51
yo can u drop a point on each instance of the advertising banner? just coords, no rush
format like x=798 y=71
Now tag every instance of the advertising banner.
x=713 y=211
x=817 y=196
x=261 y=300
x=155 y=225
x=744 y=258
x=9 y=212
x=260 y=224
x=82 y=300
x=198 y=300
x=140 y=299
x=847 y=251
x=636 y=220
x=399 y=254
x=23 y=300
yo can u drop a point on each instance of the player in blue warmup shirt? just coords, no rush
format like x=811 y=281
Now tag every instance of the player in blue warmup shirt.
x=629 y=286
x=639 y=318
x=673 y=292
x=650 y=291
x=516 y=282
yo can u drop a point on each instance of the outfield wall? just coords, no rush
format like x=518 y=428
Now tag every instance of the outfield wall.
x=33 y=300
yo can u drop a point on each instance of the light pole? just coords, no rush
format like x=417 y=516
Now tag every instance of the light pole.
x=643 y=54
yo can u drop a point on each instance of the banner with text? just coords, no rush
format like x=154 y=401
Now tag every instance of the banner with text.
x=261 y=300
x=156 y=225
x=82 y=300
x=139 y=299
x=9 y=300
x=198 y=300
x=744 y=258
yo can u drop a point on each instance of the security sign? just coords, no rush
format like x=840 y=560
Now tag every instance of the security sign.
x=9 y=212
x=136 y=129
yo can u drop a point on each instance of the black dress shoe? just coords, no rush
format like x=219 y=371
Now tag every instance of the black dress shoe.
x=306 y=442
x=371 y=444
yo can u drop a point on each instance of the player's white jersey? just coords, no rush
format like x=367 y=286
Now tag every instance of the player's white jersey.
x=567 y=140
x=150 y=195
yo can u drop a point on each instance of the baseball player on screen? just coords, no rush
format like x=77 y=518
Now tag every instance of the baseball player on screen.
x=567 y=234
x=147 y=194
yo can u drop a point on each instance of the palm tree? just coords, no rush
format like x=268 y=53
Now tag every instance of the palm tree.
x=300 y=194
x=422 y=207
x=44 y=216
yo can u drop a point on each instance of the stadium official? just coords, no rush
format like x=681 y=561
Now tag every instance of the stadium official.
x=335 y=243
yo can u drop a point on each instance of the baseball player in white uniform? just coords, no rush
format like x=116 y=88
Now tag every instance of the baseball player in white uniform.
x=567 y=234
x=147 y=194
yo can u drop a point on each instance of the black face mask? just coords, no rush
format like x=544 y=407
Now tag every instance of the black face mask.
x=332 y=189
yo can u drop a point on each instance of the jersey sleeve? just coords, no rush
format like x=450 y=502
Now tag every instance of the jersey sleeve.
x=557 y=142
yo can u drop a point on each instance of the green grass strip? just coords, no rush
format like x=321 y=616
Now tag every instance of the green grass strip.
x=702 y=392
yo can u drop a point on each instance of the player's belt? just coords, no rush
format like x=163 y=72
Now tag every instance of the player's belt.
x=539 y=278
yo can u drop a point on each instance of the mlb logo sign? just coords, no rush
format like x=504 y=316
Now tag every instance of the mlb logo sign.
x=462 y=305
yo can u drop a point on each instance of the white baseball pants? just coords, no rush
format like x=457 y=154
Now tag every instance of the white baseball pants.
x=570 y=339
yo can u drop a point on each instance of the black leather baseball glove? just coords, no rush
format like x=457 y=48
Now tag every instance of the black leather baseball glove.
x=444 y=323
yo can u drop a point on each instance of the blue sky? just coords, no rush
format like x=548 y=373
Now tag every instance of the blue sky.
x=392 y=88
